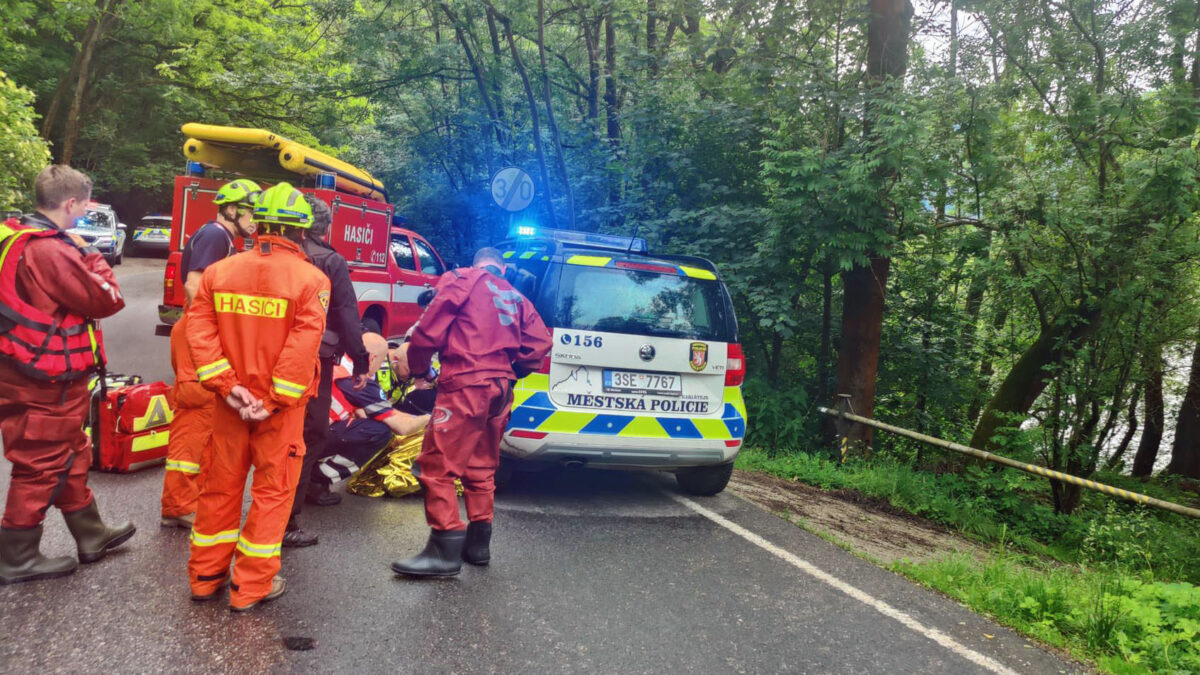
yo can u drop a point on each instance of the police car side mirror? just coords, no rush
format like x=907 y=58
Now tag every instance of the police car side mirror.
x=121 y=226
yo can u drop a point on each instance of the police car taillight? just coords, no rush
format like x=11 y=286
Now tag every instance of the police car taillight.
x=545 y=369
x=735 y=366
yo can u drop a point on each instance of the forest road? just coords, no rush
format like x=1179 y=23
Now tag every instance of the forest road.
x=591 y=571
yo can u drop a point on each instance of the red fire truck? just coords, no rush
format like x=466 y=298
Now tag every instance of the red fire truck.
x=389 y=265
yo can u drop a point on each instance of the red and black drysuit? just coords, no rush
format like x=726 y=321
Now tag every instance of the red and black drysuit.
x=352 y=440
x=486 y=335
x=42 y=421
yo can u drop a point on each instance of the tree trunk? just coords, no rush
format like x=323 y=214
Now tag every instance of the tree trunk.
x=1147 y=452
x=497 y=60
x=652 y=36
x=477 y=73
x=561 y=162
x=591 y=39
x=823 y=350
x=610 y=80
x=610 y=102
x=1130 y=429
x=865 y=286
x=1185 y=452
x=533 y=115
x=1028 y=377
x=862 y=325
x=87 y=48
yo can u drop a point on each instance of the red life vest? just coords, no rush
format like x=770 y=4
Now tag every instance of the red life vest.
x=40 y=345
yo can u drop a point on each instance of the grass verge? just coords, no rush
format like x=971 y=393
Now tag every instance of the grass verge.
x=1113 y=583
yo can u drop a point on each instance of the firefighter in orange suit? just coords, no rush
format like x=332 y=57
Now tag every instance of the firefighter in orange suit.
x=254 y=330
x=191 y=427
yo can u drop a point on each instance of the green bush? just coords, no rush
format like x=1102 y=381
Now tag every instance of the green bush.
x=1127 y=625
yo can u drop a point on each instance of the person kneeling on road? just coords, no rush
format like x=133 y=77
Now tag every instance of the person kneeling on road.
x=363 y=420
x=256 y=326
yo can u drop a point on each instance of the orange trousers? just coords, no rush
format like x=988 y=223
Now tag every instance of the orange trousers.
x=275 y=448
x=191 y=431
x=191 y=440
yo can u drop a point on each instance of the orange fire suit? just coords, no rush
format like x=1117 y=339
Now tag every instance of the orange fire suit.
x=191 y=430
x=256 y=321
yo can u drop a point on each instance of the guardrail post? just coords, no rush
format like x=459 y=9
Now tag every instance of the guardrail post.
x=842 y=425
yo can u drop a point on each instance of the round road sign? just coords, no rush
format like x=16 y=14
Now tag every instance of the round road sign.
x=512 y=189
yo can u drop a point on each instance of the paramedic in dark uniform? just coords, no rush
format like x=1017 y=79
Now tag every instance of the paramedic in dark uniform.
x=343 y=333
x=486 y=335
x=363 y=420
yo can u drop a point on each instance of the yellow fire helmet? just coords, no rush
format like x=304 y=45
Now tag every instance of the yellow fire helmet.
x=241 y=192
x=284 y=205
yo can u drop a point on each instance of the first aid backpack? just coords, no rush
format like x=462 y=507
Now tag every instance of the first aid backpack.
x=130 y=423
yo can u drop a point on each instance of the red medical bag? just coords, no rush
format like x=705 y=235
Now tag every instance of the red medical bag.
x=130 y=424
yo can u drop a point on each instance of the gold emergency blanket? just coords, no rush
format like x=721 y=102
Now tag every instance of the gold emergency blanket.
x=390 y=473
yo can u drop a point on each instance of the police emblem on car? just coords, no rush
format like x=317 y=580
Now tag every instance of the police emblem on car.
x=646 y=352
x=699 y=356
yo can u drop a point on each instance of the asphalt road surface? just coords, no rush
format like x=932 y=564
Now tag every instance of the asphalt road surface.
x=591 y=571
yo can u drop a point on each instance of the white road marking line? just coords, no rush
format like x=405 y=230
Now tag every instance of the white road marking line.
x=878 y=605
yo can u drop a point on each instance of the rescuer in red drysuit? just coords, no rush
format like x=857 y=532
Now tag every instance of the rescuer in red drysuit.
x=52 y=287
x=486 y=335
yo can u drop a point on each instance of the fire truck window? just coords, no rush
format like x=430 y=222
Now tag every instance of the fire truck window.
x=402 y=253
x=429 y=261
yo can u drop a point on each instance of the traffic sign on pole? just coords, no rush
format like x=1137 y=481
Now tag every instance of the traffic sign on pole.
x=512 y=189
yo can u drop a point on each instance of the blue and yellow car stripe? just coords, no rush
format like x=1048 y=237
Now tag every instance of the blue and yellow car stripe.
x=534 y=411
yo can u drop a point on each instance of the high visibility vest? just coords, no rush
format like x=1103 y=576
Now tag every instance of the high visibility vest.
x=38 y=344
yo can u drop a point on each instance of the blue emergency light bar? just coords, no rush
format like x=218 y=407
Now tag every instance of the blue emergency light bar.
x=602 y=241
x=194 y=168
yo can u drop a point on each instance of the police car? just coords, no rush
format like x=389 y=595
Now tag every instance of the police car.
x=646 y=368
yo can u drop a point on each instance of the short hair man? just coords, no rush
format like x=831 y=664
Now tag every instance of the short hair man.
x=59 y=287
x=363 y=420
x=486 y=336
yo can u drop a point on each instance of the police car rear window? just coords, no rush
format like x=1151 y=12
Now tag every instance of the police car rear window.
x=638 y=303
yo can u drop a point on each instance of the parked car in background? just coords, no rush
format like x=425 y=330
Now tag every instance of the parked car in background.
x=101 y=228
x=151 y=234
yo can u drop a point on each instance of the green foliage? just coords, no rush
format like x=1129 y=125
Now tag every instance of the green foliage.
x=22 y=152
x=1126 y=625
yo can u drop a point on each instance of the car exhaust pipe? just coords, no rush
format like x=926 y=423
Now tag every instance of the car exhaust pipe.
x=574 y=463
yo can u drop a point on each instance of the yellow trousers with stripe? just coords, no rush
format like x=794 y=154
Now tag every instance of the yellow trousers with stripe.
x=275 y=449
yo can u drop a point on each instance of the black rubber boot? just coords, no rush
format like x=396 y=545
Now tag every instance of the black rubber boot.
x=294 y=537
x=477 y=548
x=93 y=538
x=20 y=559
x=442 y=556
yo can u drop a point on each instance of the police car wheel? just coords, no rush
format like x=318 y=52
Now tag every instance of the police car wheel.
x=704 y=481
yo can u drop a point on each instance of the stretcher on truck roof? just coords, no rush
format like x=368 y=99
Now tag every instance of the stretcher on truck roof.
x=258 y=152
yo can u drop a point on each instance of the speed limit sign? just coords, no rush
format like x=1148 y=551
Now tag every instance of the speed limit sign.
x=512 y=189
